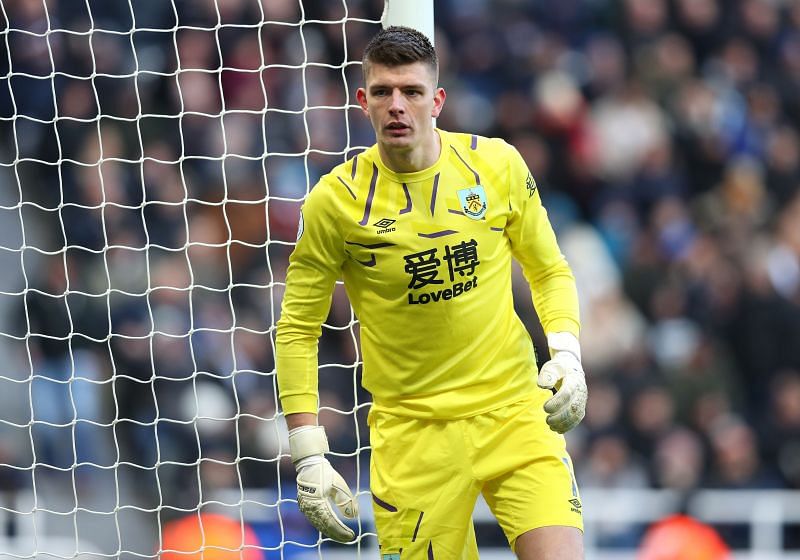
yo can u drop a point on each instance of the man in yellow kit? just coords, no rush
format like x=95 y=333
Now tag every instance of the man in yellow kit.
x=422 y=227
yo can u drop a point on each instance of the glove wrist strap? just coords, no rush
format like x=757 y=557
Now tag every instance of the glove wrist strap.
x=306 y=441
x=564 y=342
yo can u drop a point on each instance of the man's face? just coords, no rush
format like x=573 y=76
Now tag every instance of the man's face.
x=400 y=101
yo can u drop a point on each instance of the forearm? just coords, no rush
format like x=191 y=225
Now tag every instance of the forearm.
x=300 y=419
x=556 y=299
x=297 y=377
x=296 y=365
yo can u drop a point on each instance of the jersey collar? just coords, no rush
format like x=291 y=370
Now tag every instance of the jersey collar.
x=420 y=175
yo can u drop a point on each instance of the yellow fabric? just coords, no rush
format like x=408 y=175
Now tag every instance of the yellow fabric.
x=425 y=476
x=430 y=285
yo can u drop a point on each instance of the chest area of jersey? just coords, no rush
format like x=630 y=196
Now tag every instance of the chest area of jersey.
x=427 y=241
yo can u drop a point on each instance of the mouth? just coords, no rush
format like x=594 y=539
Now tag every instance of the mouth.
x=397 y=128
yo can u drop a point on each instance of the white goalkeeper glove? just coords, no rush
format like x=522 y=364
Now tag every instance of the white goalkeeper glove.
x=564 y=374
x=318 y=484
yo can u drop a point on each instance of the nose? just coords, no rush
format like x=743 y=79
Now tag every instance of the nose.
x=397 y=107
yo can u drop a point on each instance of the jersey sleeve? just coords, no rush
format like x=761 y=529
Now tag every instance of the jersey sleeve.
x=314 y=266
x=534 y=246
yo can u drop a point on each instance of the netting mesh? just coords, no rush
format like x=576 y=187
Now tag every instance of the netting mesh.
x=153 y=158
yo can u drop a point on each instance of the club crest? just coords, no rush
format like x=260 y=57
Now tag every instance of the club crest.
x=473 y=201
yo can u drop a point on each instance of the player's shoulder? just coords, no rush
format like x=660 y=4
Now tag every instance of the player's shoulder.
x=476 y=146
x=350 y=179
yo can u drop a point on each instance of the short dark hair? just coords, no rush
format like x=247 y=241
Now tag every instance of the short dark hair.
x=398 y=45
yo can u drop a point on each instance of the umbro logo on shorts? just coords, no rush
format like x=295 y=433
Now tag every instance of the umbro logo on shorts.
x=576 y=505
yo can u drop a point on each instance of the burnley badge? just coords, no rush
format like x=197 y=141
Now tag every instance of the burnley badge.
x=473 y=201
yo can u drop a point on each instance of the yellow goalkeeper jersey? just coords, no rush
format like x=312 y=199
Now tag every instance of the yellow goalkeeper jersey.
x=426 y=262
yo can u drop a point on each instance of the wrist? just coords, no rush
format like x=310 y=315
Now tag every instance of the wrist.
x=564 y=342
x=307 y=442
x=300 y=419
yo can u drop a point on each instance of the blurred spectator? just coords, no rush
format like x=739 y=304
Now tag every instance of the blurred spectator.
x=780 y=428
x=610 y=463
x=66 y=390
x=679 y=461
x=736 y=461
x=651 y=414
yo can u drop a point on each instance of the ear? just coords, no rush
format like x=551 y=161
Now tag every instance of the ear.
x=438 y=102
x=361 y=95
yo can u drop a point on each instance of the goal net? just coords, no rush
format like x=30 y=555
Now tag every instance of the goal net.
x=153 y=159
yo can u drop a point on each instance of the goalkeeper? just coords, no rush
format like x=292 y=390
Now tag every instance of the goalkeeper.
x=422 y=228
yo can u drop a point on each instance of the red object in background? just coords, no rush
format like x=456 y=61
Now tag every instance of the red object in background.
x=680 y=537
x=209 y=536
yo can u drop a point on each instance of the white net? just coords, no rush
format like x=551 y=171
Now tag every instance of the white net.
x=153 y=158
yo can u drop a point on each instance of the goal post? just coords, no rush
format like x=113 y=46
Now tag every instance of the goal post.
x=153 y=159
x=417 y=14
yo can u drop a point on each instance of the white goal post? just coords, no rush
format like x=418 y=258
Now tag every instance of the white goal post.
x=153 y=158
x=417 y=14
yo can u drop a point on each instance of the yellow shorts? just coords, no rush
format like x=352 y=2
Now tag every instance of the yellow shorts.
x=425 y=477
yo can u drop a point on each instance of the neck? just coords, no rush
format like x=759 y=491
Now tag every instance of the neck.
x=413 y=159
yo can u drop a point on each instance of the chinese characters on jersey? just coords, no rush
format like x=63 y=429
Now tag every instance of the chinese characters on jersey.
x=424 y=270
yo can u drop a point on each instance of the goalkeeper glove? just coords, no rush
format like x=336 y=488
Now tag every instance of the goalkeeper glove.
x=564 y=375
x=318 y=484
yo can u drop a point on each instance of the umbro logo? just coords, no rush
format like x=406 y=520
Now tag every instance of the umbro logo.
x=384 y=225
x=576 y=505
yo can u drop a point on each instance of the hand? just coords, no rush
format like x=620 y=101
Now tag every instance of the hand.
x=318 y=484
x=564 y=374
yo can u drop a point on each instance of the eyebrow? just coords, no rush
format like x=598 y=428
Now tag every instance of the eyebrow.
x=417 y=85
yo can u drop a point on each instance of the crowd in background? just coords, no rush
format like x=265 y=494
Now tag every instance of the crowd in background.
x=159 y=174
